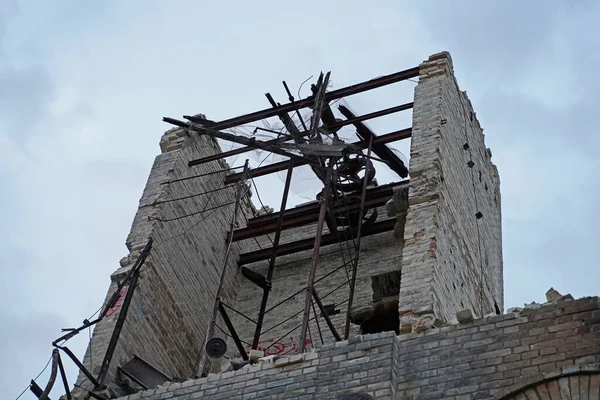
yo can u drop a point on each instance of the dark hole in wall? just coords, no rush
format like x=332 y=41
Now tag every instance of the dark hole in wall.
x=385 y=285
x=385 y=317
x=498 y=312
x=384 y=321
x=356 y=396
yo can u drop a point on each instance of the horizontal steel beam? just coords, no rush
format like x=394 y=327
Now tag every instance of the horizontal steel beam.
x=333 y=127
x=309 y=243
x=309 y=101
x=372 y=115
x=381 y=150
x=304 y=215
x=283 y=165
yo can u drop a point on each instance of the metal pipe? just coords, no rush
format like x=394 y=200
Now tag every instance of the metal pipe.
x=251 y=142
x=375 y=114
x=118 y=327
x=326 y=316
x=317 y=321
x=309 y=243
x=63 y=375
x=35 y=389
x=315 y=258
x=79 y=365
x=332 y=127
x=333 y=95
x=265 y=296
x=358 y=235
x=211 y=326
x=233 y=333
x=52 y=379
x=280 y=166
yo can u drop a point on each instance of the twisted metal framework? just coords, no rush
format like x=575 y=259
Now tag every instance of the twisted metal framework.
x=344 y=205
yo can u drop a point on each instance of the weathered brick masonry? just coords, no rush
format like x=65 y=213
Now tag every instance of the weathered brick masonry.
x=539 y=353
x=169 y=313
x=452 y=258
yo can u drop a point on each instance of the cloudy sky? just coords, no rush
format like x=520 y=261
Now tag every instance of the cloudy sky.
x=83 y=87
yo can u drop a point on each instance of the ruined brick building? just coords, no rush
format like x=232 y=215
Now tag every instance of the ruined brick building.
x=426 y=317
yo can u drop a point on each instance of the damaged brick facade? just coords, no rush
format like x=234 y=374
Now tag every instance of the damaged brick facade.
x=443 y=259
x=167 y=319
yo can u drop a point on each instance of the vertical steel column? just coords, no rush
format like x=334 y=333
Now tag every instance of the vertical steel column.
x=358 y=233
x=63 y=375
x=315 y=257
x=265 y=297
x=213 y=320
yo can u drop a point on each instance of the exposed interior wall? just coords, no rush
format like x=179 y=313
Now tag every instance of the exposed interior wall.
x=452 y=257
x=378 y=270
x=172 y=304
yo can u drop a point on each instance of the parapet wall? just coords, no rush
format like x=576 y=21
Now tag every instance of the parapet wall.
x=173 y=300
x=452 y=257
x=491 y=358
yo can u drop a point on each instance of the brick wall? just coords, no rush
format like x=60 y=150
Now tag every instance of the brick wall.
x=169 y=312
x=490 y=358
x=495 y=356
x=452 y=259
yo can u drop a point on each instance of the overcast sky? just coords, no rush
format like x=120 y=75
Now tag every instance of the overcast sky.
x=83 y=87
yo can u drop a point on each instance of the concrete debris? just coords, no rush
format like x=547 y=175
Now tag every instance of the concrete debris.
x=565 y=298
x=533 y=304
x=264 y=210
x=256 y=355
x=268 y=359
x=552 y=295
x=238 y=363
x=226 y=366
x=465 y=316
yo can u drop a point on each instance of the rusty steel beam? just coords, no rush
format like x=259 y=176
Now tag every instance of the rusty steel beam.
x=372 y=115
x=334 y=332
x=309 y=101
x=309 y=215
x=283 y=165
x=213 y=320
x=313 y=207
x=357 y=254
x=381 y=150
x=265 y=296
x=325 y=198
x=233 y=333
x=307 y=244
x=333 y=127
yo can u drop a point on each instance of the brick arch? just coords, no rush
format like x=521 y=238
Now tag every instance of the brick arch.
x=575 y=382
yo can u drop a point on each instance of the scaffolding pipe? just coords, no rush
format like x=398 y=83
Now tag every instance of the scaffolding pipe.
x=358 y=236
x=265 y=297
x=315 y=257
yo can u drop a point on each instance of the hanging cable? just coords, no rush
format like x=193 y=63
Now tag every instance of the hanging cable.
x=38 y=375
